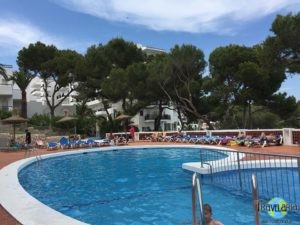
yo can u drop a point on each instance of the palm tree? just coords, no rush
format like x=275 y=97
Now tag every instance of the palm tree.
x=22 y=79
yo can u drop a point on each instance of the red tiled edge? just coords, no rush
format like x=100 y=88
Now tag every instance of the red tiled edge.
x=6 y=218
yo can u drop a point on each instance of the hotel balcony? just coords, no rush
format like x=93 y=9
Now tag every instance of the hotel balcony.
x=100 y=112
x=154 y=105
x=37 y=85
x=17 y=95
x=153 y=116
x=93 y=102
x=36 y=93
x=6 y=89
x=6 y=108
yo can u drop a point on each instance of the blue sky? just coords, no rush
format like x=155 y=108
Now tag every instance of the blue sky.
x=77 y=24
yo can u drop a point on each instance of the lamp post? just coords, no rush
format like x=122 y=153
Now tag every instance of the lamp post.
x=250 y=102
x=71 y=84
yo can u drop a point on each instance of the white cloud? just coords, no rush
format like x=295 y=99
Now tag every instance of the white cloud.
x=216 y=16
x=16 y=34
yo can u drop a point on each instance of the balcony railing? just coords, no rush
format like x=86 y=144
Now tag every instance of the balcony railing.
x=154 y=116
x=6 y=89
x=6 y=108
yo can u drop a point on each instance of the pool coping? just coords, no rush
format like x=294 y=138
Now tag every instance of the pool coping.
x=231 y=164
x=33 y=212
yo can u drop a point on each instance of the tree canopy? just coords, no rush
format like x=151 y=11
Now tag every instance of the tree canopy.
x=286 y=42
x=239 y=89
x=55 y=67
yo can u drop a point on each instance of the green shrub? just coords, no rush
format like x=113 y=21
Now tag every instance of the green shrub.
x=4 y=114
x=40 y=120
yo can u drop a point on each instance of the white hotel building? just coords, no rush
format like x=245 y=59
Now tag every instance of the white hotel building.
x=36 y=100
x=10 y=97
x=10 y=94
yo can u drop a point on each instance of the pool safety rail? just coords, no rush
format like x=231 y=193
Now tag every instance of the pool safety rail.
x=255 y=199
x=197 y=191
x=277 y=175
x=35 y=151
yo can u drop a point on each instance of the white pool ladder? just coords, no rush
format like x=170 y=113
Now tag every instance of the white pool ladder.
x=255 y=199
x=196 y=189
x=34 y=151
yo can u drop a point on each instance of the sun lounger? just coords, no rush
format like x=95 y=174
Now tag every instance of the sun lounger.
x=257 y=141
x=102 y=142
x=64 y=143
x=52 y=145
x=277 y=141
x=121 y=141
x=39 y=144
x=91 y=142
x=81 y=143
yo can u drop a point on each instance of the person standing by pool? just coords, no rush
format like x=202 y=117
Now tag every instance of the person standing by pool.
x=208 y=216
x=27 y=138
x=132 y=130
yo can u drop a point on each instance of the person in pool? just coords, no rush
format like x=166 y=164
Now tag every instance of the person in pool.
x=208 y=216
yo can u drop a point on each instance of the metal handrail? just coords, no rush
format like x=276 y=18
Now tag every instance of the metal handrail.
x=196 y=186
x=255 y=198
x=28 y=151
x=210 y=166
x=263 y=153
x=210 y=169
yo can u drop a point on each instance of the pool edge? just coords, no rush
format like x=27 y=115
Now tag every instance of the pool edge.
x=33 y=212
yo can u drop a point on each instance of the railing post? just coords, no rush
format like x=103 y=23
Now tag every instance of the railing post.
x=298 y=165
x=239 y=171
x=255 y=198
x=196 y=186
x=202 y=221
x=194 y=199
x=201 y=159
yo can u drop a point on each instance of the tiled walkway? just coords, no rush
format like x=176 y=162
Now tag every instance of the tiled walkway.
x=9 y=157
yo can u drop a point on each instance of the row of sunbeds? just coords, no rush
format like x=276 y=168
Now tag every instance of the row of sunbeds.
x=65 y=143
x=220 y=140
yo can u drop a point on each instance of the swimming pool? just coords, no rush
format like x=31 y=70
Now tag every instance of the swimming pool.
x=285 y=182
x=145 y=186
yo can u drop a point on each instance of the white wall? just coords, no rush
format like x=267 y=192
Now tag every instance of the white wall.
x=39 y=108
x=147 y=119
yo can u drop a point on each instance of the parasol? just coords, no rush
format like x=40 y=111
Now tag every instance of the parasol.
x=66 y=119
x=14 y=119
x=123 y=117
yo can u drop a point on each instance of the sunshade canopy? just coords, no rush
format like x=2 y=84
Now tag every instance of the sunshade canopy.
x=15 y=119
x=122 y=117
x=67 y=119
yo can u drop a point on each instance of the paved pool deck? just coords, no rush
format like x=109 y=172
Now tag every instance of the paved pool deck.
x=7 y=157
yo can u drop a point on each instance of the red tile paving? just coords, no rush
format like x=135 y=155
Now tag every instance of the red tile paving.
x=9 y=157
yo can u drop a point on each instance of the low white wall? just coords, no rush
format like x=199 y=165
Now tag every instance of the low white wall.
x=287 y=133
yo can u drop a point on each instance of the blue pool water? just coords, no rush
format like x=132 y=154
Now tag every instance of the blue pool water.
x=272 y=182
x=146 y=186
